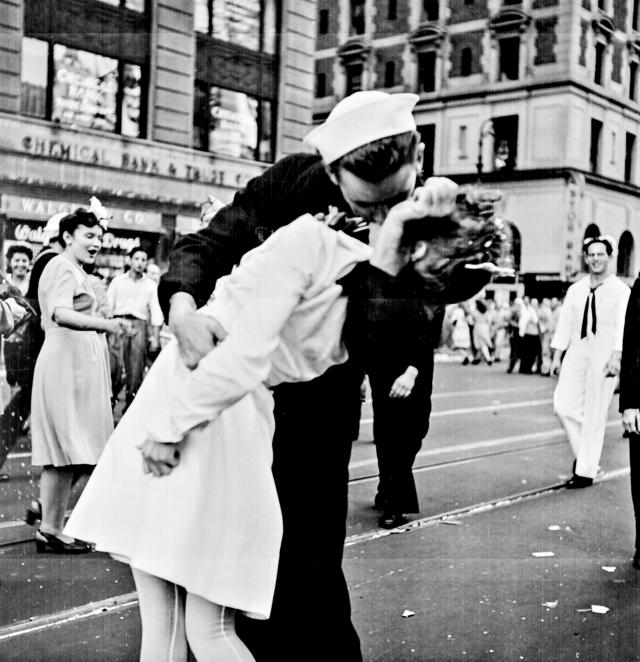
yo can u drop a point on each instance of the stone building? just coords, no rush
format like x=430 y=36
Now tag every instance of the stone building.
x=152 y=105
x=538 y=96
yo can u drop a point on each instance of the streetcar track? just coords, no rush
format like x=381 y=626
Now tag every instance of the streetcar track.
x=126 y=601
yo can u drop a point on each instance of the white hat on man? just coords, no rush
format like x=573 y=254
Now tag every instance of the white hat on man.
x=362 y=118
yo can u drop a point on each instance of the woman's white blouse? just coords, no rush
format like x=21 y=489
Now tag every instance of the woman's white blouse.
x=283 y=312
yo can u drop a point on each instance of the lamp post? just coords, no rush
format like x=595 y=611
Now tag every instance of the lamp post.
x=486 y=129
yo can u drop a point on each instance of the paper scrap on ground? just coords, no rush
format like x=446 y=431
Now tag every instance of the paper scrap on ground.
x=554 y=527
x=407 y=613
x=550 y=605
x=543 y=554
x=609 y=568
x=452 y=522
x=596 y=609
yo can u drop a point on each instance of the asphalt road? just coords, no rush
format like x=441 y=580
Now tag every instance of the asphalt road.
x=489 y=478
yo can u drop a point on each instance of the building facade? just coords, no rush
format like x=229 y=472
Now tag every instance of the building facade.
x=537 y=97
x=150 y=105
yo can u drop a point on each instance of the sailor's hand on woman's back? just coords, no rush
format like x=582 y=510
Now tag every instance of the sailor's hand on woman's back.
x=197 y=334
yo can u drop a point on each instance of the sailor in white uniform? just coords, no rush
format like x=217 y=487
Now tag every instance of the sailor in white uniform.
x=590 y=330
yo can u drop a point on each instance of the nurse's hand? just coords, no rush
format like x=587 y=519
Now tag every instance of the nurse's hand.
x=631 y=421
x=612 y=369
x=556 y=362
x=159 y=459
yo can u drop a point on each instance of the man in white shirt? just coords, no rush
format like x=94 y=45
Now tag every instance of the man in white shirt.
x=134 y=297
x=590 y=329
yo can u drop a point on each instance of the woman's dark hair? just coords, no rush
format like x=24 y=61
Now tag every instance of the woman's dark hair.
x=380 y=158
x=72 y=221
x=19 y=249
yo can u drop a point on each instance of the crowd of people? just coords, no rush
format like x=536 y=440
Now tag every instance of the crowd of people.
x=517 y=333
x=326 y=267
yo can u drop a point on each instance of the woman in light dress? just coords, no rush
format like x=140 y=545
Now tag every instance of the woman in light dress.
x=203 y=540
x=70 y=408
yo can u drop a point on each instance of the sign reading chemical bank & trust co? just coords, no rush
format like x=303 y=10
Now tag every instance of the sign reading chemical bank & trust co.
x=39 y=140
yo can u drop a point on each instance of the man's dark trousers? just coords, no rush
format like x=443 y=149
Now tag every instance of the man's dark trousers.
x=316 y=423
x=399 y=426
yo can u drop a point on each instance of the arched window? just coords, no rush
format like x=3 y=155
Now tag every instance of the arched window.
x=431 y=9
x=512 y=247
x=592 y=230
x=625 y=254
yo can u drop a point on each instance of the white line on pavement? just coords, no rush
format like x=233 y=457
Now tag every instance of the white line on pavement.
x=474 y=410
x=488 y=443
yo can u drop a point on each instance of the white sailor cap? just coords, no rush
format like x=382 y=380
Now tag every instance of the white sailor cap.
x=52 y=228
x=362 y=118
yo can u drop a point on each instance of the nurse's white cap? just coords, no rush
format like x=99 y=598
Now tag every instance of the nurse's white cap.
x=362 y=118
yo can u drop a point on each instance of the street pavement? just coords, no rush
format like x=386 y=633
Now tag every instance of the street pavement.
x=460 y=582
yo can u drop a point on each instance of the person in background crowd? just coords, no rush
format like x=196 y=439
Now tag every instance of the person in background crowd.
x=513 y=329
x=16 y=413
x=494 y=325
x=590 y=329
x=482 y=331
x=546 y=333
x=469 y=309
x=460 y=335
x=529 y=333
x=369 y=159
x=630 y=402
x=18 y=259
x=71 y=416
x=133 y=296
x=154 y=272
x=10 y=314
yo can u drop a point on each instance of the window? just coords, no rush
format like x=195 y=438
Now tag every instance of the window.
x=509 y=58
x=594 y=150
x=431 y=9
x=629 y=156
x=602 y=5
x=136 y=5
x=245 y=23
x=85 y=90
x=323 y=21
x=354 y=78
x=462 y=142
x=633 y=79
x=634 y=16
x=468 y=2
x=33 y=77
x=625 y=254
x=427 y=71
x=389 y=74
x=357 y=16
x=392 y=9
x=505 y=142
x=232 y=123
x=597 y=75
x=466 y=61
x=321 y=85
x=428 y=138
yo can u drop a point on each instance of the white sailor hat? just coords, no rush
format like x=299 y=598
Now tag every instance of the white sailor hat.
x=362 y=118
x=52 y=228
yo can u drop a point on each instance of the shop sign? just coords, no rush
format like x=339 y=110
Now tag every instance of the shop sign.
x=38 y=208
x=67 y=146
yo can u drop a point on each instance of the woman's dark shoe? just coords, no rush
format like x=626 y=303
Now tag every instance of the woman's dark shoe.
x=636 y=560
x=577 y=482
x=34 y=513
x=47 y=542
x=392 y=520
